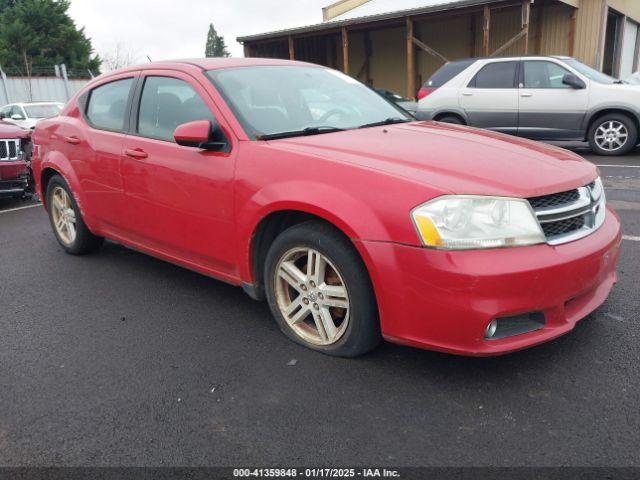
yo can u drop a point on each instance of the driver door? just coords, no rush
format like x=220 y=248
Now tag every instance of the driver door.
x=179 y=198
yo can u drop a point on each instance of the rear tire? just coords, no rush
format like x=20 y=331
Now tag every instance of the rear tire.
x=329 y=307
x=613 y=134
x=66 y=220
x=451 y=119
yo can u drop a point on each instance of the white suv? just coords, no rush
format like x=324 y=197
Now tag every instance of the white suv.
x=543 y=98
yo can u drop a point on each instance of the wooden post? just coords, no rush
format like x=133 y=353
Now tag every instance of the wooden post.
x=247 y=50
x=486 y=24
x=572 y=31
x=539 y=22
x=472 y=29
x=292 y=50
x=368 y=52
x=411 y=61
x=345 y=50
x=526 y=14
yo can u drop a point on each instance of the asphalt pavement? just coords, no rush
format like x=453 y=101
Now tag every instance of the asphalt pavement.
x=122 y=359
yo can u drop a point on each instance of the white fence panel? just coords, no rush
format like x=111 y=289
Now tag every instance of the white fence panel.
x=38 y=89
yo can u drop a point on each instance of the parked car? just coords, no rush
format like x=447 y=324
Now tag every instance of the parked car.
x=26 y=115
x=409 y=105
x=14 y=171
x=354 y=222
x=542 y=98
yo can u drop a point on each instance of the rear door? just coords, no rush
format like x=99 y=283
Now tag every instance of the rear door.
x=549 y=109
x=490 y=100
x=94 y=147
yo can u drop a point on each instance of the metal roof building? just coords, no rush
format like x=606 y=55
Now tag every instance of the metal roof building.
x=398 y=44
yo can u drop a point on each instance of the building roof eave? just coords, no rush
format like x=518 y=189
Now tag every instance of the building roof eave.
x=337 y=24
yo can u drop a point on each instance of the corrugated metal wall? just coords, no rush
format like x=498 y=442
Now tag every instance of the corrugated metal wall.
x=39 y=89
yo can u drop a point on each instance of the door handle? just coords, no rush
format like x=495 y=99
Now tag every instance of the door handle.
x=136 y=153
x=526 y=95
x=467 y=94
x=72 y=140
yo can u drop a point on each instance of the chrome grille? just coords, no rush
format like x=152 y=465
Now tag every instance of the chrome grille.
x=555 y=199
x=9 y=150
x=570 y=215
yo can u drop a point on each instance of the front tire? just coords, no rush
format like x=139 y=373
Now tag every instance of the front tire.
x=319 y=291
x=66 y=220
x=613 y=134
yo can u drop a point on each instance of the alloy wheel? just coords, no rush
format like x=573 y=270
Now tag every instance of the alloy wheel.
x=64 y=216
x=312 y=296
x=612 y=135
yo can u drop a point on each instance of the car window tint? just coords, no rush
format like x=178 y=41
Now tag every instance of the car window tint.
x=166 y=103
x=496 y=75
x=447 y=72
x=108 y=103
x=544 y=75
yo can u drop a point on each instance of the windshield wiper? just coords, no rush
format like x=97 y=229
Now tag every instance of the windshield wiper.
x=387 y=121
x=299 y=133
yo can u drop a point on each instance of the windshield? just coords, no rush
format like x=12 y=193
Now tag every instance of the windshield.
x=42 y=111
x=301 y=100
x=589 y=72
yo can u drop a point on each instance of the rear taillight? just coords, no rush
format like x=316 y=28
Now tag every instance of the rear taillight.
x=425 y=91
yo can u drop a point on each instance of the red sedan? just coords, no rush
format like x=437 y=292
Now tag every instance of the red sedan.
x=354 y=221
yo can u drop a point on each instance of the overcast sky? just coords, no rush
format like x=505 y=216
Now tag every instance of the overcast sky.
x=165 y=29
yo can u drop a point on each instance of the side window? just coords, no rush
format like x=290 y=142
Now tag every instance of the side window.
x=496 y=75
x=540 y=74
x=108 y=104
x=166 y=103
x=17 y=110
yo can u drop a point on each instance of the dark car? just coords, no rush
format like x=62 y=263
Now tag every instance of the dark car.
x=15 y=145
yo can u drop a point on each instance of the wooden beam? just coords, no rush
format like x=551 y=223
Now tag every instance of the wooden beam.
x=345 y=50
x=526 y=19
x=430 y=50
x=518 y=36
x=247 y=50
x=411 y=61
x=368 y=52
x=573 y=25
x=539 y=22
x=292 y=48
x=472 y=45
x=486 y=26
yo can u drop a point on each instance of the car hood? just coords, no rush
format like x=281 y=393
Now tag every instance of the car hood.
x=9 y=131
x=452 y=158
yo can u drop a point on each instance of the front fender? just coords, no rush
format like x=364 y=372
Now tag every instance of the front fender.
x=346 y=212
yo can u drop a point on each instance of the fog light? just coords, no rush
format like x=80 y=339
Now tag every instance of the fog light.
x=491 y=329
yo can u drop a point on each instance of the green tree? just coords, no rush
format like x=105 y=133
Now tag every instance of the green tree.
x=40 y=33
x=215 y=44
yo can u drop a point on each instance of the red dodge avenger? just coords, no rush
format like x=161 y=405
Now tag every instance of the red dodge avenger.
x=310 y=190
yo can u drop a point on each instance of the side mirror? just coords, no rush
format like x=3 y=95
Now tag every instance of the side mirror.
x=200 y=134
x=16 y=116
x=573 y=81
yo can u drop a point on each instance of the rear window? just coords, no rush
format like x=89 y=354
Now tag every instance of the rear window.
x=496 y=75
x=107 y=105
x=447 y=72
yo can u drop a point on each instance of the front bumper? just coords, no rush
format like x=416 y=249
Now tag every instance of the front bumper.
x=443 y=300
x=14 y=178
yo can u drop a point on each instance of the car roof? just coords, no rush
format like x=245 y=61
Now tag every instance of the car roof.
x=213 y=63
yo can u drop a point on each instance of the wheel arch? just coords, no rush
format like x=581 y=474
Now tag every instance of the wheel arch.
x=592 y=117
x=260 y=225
x=440 y=115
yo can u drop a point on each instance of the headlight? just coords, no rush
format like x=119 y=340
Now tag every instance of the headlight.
x=460 y=222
